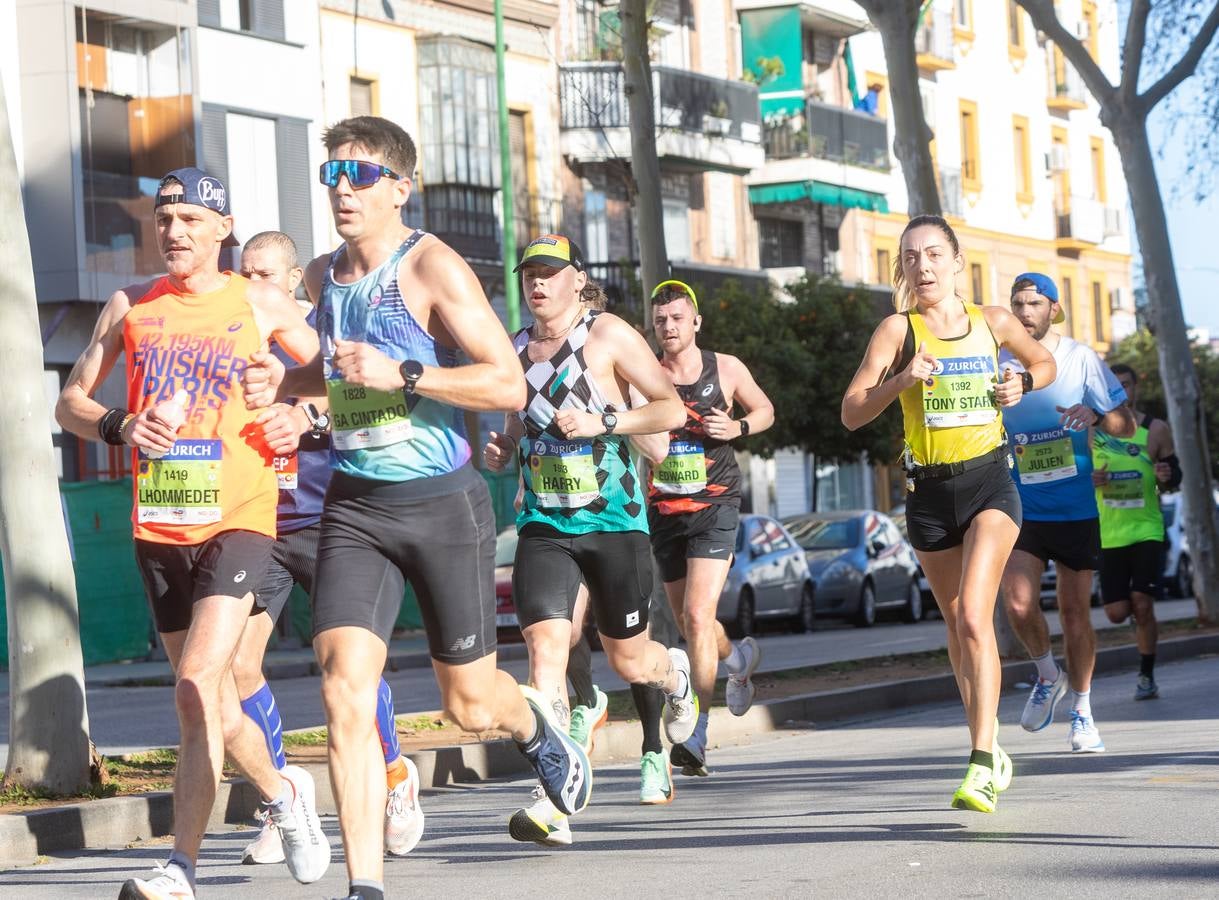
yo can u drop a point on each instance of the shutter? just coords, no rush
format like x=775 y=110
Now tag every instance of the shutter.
x=209 y=13
x=215 y=155
x=791 y=483
x=292 y=164
x=267 y=18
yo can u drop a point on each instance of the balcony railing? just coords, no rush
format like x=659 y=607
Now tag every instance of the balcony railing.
x=464 y=216
x=534 y=214
x=933 y=42
x=830 y=132
x=1066 y=87
x=1084 y=221
x=950 y=192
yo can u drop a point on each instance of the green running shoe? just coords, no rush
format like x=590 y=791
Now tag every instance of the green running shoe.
x=585 y=720
x=655 y=780
x=977 y=791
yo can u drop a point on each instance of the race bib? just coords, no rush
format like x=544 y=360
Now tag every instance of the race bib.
x=1124 y=490
x=286 y=472
x=362 y=418
x=961 y=391
x=563 y=473
x=1045 y=456
x=684 y=470
x=183 y=486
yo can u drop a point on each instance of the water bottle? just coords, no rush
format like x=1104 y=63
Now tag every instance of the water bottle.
x=172 y=414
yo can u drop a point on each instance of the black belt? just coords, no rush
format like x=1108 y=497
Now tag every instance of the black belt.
x=948 y=470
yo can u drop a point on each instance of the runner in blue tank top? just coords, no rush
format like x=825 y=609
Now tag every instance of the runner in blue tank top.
x=395 y=308
x=1049 y=431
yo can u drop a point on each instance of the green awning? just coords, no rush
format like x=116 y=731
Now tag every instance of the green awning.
x=817 y=192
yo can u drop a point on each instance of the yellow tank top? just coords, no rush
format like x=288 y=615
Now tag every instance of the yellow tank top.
x=952 y=416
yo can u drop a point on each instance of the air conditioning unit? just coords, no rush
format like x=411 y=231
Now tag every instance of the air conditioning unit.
x=1117 y=300
x=1059 y=158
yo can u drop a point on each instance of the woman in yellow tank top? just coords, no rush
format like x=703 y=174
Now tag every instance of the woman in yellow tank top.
x=939 y=356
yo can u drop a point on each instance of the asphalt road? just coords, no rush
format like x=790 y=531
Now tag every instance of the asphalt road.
x=857 y=810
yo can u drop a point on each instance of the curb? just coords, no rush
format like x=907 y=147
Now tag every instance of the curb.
x=121 y=820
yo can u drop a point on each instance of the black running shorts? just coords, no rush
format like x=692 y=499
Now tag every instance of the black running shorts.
x=437 y=533
x=176 y=576
x=1075 y=544
x=704 y=534
x=940 y=510
x=616 y=566
x=1134 y=569
x=293 y=561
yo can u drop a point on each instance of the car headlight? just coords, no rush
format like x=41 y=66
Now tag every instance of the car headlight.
x=838 y=571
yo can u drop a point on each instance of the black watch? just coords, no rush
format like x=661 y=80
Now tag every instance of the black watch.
x=319 y=422
x=412 y=371
x=744 y=423
x=610 y=421
x=1026 y=382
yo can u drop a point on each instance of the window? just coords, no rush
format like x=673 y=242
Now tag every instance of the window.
x=363 y=97
x=253 y=173
x=1100 y=191
x=1015 y=29
x=1022 y=154
x=1098 y=311
x=964 y=16
x=721 y=208
x=1067 y=306
x=1060 y=168
x=1088 y=8
x=596 y=227
x=971 y=164
x=780 y=243
x=264 y=18
x=527 y=225
x=977 y=284
x=884 y=266
x=235 y=14
x=677 y=227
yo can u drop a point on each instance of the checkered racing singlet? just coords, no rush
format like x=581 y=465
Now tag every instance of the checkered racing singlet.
x=579 y=485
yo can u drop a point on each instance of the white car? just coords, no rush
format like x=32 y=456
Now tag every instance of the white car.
x=1178 y=572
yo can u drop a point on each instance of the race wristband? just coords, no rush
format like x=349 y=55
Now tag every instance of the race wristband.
x=110 y=426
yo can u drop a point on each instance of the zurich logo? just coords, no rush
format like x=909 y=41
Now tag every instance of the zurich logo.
x=539 y=447
x=1022 y=438
x=938 y=367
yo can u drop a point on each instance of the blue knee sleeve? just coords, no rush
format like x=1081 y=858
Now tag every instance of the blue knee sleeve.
x=260 y=706
x=387 y=728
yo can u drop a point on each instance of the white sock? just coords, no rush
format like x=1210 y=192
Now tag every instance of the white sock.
x=1082 y=703
x=736 y=661
x=1047 y=669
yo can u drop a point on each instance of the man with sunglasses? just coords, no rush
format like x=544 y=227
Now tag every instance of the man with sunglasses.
x=396 y=307
x=694 y=501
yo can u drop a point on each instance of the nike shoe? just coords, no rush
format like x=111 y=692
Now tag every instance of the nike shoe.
x=691 y=755
x=540 y=822
x=168 y=882
x=655 y=780
x=306 y=847
x=267 y=847
x=1002 y=773
x=740 y=691
x=1039 y=708
x=977 y=791
x=585 y=720
x=1146 y=689
x=403 y=815
x=681 y=711
x=561 y=763
x=1085 y=738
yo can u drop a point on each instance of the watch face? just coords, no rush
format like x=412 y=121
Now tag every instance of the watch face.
x=322 y=422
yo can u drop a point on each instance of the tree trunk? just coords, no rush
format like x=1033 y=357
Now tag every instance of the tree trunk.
x=48 y=723
x=645 y=166
x=1182 y=394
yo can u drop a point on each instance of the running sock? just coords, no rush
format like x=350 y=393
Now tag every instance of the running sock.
x=396 y=773
x=1047 y=669
x=183 y=862
x=530 y=745
x=580 y=673
x=982 y=758
x=367 y=890
x=387 y=728
x=1082 y=703
x=649 y=702
x=282 y=803
x=1147 y=664
x=260 y=706
x=736 y=661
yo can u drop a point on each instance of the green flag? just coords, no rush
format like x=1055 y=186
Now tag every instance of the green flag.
x=852 y=85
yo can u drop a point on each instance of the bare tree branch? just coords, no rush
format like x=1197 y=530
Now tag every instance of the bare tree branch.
x=1132 y=52
x=1046 y=20
x=1187 y=64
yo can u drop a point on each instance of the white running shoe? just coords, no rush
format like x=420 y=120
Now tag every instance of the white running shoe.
x=168 y=882
x=306 y=847
x=1039 y=709
x=267 y=847
x=403 y=815
x=1085 y=738
x=681 y=711
x=740 y=691
x=540 y=822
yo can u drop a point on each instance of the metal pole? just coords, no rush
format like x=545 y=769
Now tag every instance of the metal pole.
x=512 y=296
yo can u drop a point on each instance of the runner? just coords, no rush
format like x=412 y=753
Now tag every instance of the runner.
x=694 y=502
x=298 y=432
x=583 y=515
x=396 y=307
x=1053 y=471
x=939 y=355
x=204 y=516
x=1132 y=524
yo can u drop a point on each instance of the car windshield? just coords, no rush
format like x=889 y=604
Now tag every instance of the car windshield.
x=825 y=534
x=505 y=547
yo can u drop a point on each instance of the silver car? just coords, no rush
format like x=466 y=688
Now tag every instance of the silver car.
x=768 y=580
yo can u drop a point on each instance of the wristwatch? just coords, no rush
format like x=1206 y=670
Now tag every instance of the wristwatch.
x=610 y=421
x=412 y=371
x=1026 y=382
x=744 y=423
x=319 y=422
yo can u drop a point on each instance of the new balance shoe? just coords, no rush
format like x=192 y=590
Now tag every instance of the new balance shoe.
x=403 y=815
x=561 y=764
x=267 y=847
x=740 y=691
x=1044 y=697
x=306 y=847
x=168 y=882
x=977 y=791
x=1146 y=689
x=691 y=755
x=681 y=710
x=1085 y=738
x=540 y=822
x=655 y=780
x=585 y=720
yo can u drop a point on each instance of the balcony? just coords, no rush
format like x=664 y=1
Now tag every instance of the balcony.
x=832 y=133
x=1066 y=88
x=933 y=43
x=534 y=214
x=951 y=196
x=702 y=123
x=1079 y=227
x=465 y=217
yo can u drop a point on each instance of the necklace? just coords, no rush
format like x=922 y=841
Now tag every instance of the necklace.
x=563 y=333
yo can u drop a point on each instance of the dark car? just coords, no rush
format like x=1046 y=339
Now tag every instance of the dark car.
x=860 y=563
x=769 y=579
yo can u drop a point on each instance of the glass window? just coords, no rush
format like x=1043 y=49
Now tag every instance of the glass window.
x=774 y=534
x=362 y=99
x=1015 y=24
x=596 y=227
x=253 y=181
x=884 y=266
x=780 y=243
x=971 y=167
x=976 y=285
x=1098 y=314
x=677 y=228
x=813 y=533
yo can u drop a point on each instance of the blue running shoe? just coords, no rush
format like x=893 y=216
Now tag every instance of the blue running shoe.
x=561 y=763
x=1039 y=710
x=1085 y=738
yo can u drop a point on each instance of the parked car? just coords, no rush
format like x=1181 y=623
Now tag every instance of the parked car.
x=506 y=624
x=1178 y=569
x=769 y=579
x=860 y=563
